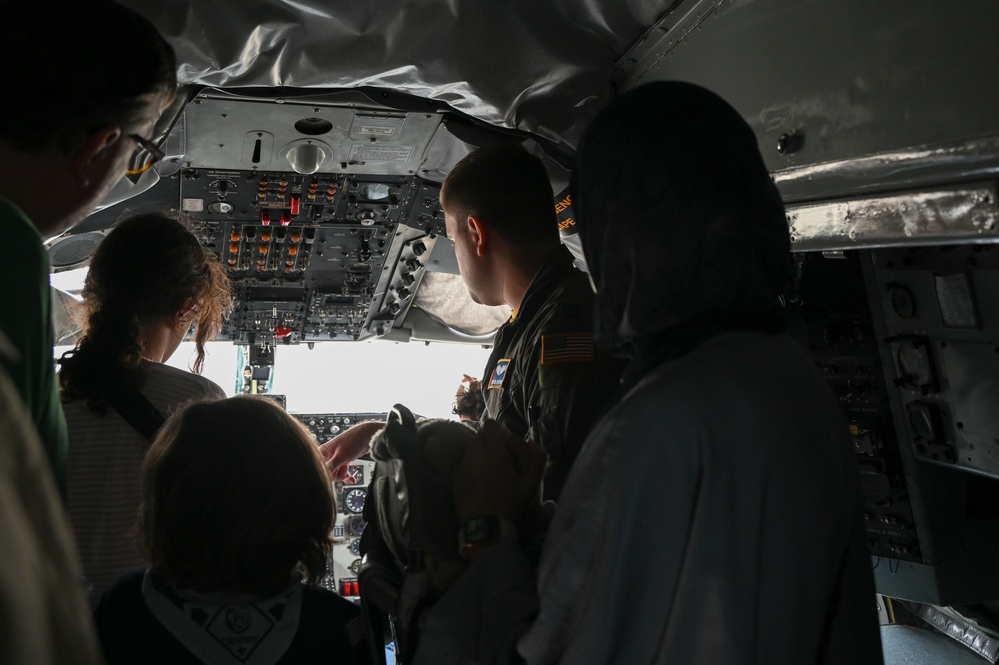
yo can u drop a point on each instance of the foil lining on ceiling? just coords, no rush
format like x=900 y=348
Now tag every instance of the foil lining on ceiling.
x=540 y=67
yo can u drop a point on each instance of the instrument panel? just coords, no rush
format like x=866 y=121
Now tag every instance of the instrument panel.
x=839 y=331
x=345 y=561
x=321 y=257
x=907 y=339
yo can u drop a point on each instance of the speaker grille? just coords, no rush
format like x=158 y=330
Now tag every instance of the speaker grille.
x=74 y=250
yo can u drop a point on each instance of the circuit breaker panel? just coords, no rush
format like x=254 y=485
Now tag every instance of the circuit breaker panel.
x=908 y=338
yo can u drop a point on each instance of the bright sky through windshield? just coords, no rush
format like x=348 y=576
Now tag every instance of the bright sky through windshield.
x=340 y=377
x=351 y=377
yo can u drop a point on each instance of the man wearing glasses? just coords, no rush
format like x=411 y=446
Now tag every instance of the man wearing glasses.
x=81 y=107
x=143 y=158
x=84 y=84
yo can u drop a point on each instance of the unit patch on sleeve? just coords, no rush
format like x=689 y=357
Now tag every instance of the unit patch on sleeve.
x=573 y=347
x=499 y=374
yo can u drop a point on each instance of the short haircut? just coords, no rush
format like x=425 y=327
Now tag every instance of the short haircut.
x=75 y=67
x=235 y=494
x=145 y=272
x=508 y=188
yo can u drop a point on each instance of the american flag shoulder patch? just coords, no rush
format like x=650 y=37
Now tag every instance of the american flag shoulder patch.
x=567 y=348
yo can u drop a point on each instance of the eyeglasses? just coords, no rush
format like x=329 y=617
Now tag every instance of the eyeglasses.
x=143 y=159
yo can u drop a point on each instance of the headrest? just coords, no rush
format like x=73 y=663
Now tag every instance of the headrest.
x=411 y=489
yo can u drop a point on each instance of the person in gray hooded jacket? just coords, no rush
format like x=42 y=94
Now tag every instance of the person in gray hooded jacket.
x=713 y=515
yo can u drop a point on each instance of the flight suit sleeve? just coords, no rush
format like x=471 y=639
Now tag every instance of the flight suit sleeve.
x=573 y=389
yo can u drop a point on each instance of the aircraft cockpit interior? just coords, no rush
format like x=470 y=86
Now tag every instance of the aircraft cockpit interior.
x=308 y=144
x=323 y=209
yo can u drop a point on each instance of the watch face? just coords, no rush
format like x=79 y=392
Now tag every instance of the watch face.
x=481 y=529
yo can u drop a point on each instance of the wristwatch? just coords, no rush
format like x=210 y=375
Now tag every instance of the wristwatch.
x=479 y=532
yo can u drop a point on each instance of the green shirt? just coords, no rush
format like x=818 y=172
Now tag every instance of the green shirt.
x=26 y=319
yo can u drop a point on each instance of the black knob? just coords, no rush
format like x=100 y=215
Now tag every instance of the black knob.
x=788 y=144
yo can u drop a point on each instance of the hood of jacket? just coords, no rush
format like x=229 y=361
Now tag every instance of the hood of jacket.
x=683 y=230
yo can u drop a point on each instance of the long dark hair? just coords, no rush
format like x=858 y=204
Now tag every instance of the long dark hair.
x=234 y=494
x=148 y=271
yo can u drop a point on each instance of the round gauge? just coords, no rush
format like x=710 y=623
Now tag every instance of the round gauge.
x=353 y=500
x=374 y=191
x=220 y=208
x=355 y=475
x=355 y=525
x=356 y=566
x=355 y=547
x=914 y=365
x=903 y=302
